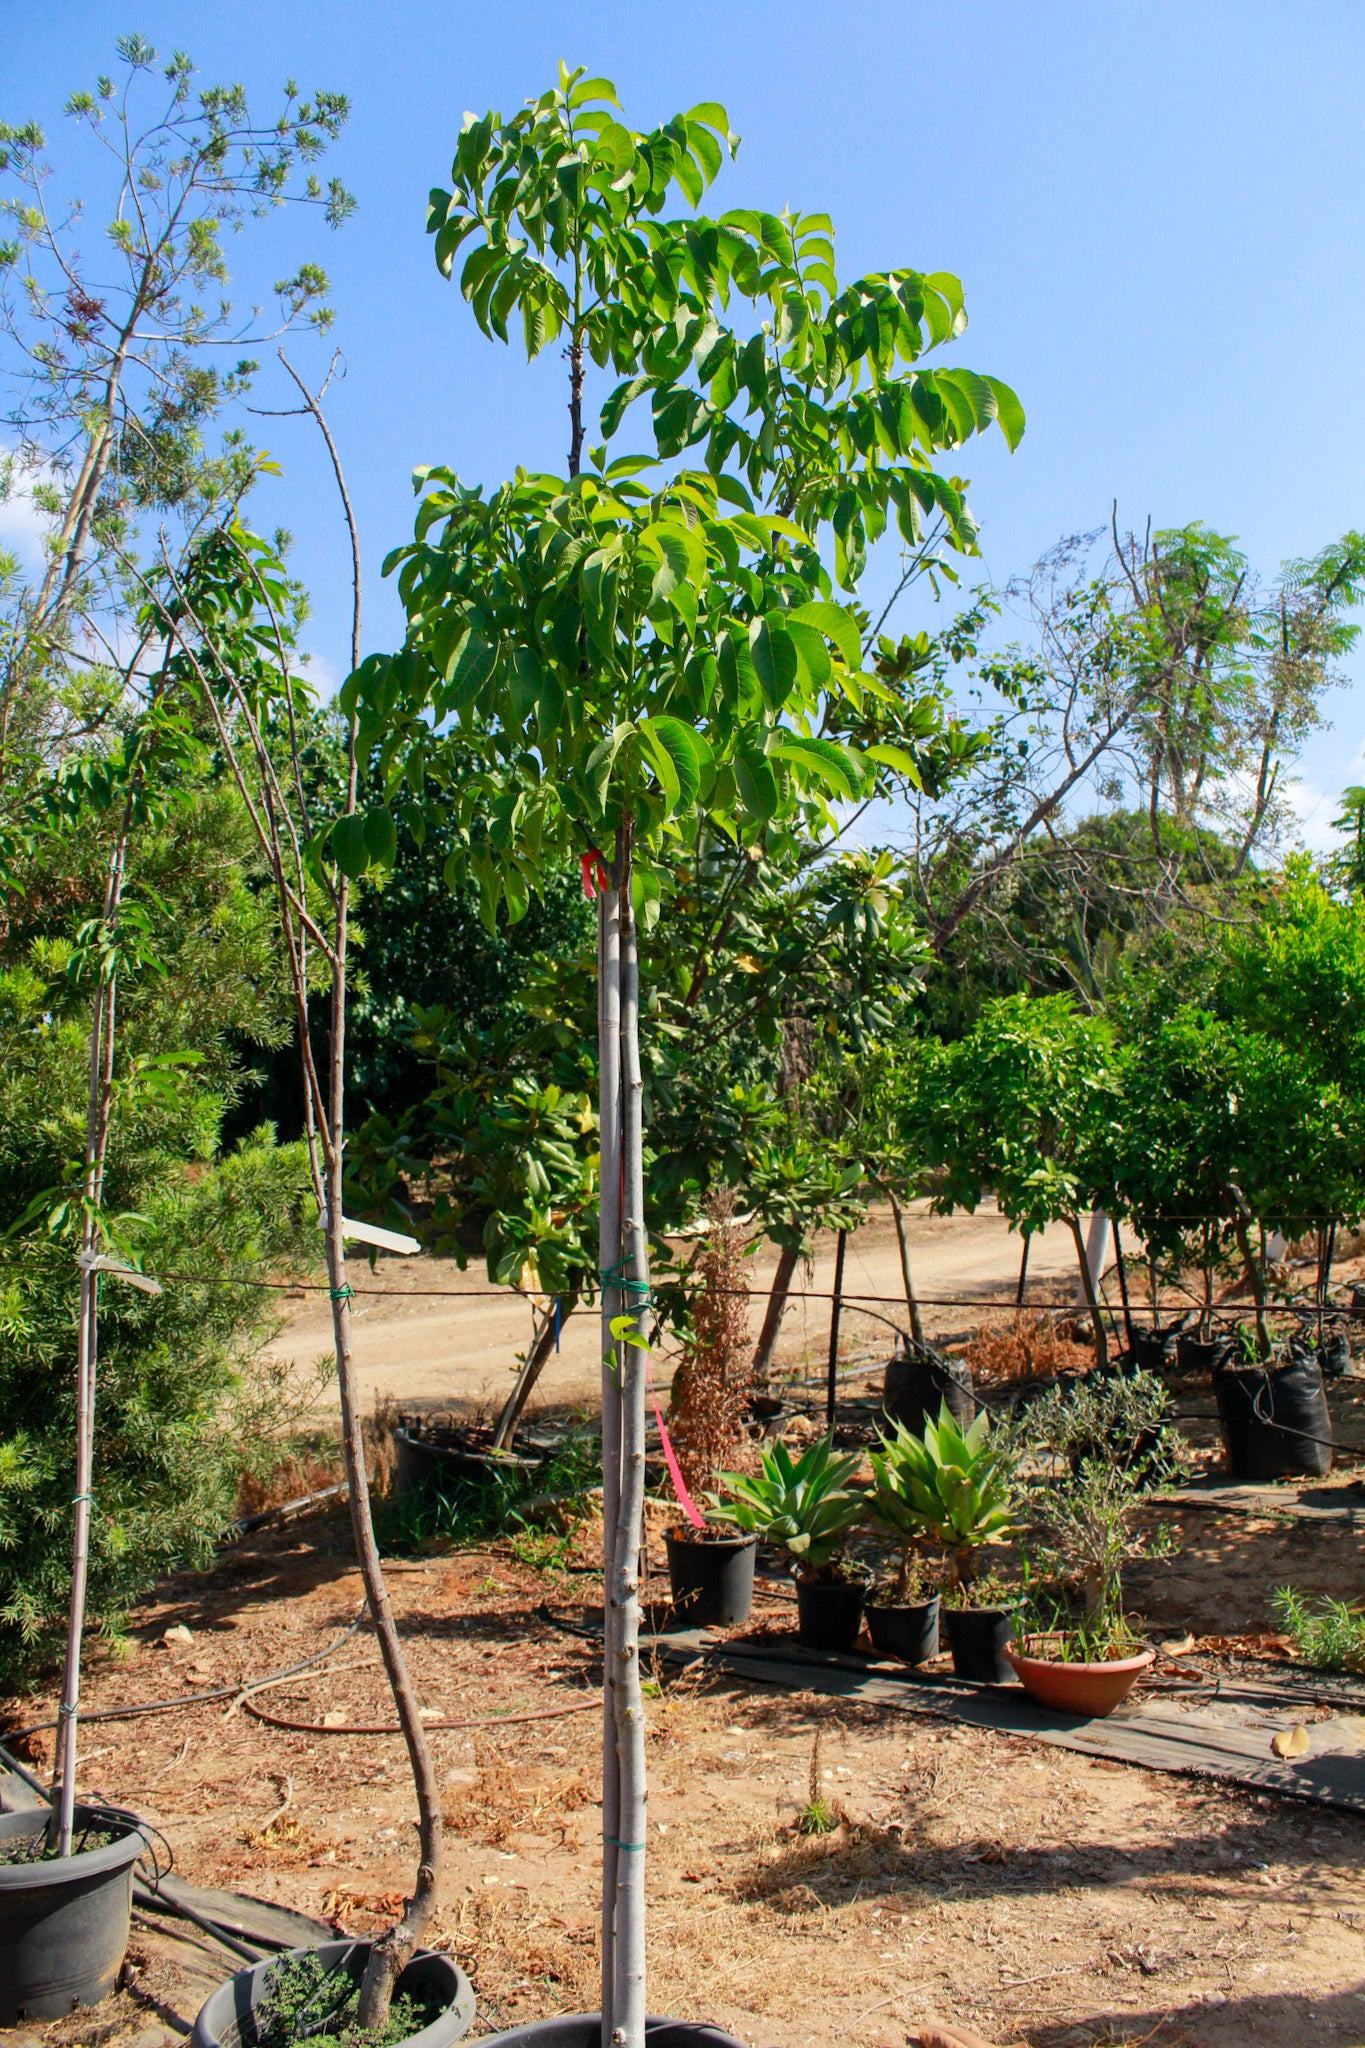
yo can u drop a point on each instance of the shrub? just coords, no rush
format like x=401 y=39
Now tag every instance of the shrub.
x=1329 y=1635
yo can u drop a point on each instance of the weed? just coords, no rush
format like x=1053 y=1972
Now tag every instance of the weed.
x=1329 y=1635
x=304 y=1999
x=819 y=1815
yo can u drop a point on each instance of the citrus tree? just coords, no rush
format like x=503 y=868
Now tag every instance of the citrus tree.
x=601 y=666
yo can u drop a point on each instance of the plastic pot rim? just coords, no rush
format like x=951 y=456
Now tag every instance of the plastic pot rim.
x=1114 y=1666
x=86 y=1863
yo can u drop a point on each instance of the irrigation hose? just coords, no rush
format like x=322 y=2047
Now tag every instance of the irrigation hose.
x=431 y=1727
x=240 y=1692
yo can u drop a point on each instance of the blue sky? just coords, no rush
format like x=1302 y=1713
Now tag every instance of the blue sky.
x=1153 y=211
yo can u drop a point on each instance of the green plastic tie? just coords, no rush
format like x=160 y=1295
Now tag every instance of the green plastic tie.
x=611 y=1839
x=342 y=1293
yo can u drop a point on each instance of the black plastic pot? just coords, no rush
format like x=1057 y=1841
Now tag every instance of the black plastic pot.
x=1274 y=1419
x=910 y=1633
x=584 y=2030
x=64 y=1923
x=1334 y=1355
x=225 y=2019
x=1152 y=1348
x=977 y=1637
x=918 y=1382
x=829 y=1613
x=423 y=1465
x=712 y=1583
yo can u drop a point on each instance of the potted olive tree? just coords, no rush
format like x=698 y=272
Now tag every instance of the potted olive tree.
x=1109 y=1449
x=805 y=1506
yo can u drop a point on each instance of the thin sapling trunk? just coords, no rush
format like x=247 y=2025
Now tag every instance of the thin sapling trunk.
x=609 y=1259
x=911 y=1302
x=772 y=1319
x=1091 y=1297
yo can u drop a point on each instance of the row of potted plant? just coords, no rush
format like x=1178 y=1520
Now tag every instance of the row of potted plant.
x=936 y=1500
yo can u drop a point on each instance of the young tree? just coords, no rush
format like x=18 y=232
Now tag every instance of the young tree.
x=121 y=352
x=1021 y=1105
x=633 y=658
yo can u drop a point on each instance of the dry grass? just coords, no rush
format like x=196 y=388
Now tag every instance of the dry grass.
x=1028 y=1348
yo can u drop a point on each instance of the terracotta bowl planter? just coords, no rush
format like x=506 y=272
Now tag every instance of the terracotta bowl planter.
x=1087 y=1689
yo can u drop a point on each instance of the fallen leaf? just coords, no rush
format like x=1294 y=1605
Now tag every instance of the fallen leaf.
x=178 y=1637
x=335 y=1717
x=1291 y=1741
x=1179 y=1648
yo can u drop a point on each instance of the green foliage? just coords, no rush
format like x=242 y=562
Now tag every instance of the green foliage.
x=1328 y=1634
x=304 y=2000
x=953 y=1486
x=1111 y=1447
x=1018 y=1106
x=805 y=1505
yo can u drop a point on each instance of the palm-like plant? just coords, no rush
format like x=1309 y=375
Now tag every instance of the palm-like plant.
x=804 y=1504
x=953 y=1485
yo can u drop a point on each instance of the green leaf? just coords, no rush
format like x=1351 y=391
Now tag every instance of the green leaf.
x=757 y=784
x=381 y=837
x=1008 y=411
x=898 y=758
x=836 y=623
x=597 y=772
x=349 y=847
x=821 y=761
x=680 y=757
x=774 y=654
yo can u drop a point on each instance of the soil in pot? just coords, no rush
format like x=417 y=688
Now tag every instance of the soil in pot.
x=829 y=1613
x=712 y=1578
x=909 y=1633
x=63 y=1919
x=1199 y=1354
x=977 y=1637
x=1086 y=1689
x=918 y=1381
x=1274 y=1418
x=311 y=1993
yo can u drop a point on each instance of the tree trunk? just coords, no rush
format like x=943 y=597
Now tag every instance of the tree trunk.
x=832 y=1384
x=556 y=1315
x=1241 y=1219
x=1023 y=1273
x=98 y=1106
x=609 y=1260
x=772 y=1320
x=389 y=1955
x=628 y=2007
x=916 y=1321
x=1091 y=1299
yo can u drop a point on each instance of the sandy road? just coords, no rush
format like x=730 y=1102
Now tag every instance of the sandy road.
x=434 y=1337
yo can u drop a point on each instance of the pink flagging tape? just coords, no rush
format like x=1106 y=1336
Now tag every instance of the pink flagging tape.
x=685 y=1500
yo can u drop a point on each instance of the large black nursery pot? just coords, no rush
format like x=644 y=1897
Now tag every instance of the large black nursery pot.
x=829 y=1613
x=919 y=1380
x=1274 y=1418
x=584 y=2030
x=227 y=2017
x=1201 y=1354
x=712 y=1581
x=909 y=1632
x=977 y=1637
x=425 y=1466
x=64 y=1922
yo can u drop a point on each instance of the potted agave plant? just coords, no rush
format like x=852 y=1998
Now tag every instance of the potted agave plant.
x=960 y=1485
x=1111 y=1449
x=806 y=1506
x=903 y=1619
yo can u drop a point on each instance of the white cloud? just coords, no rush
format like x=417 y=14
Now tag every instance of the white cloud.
x=322 y=676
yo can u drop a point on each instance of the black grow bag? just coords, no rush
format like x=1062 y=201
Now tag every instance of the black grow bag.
x=64 y=1923
x=225 y=2018
x=712 y=1583
x=1274 y=1419
x=584 y=2030
x=918 y=1381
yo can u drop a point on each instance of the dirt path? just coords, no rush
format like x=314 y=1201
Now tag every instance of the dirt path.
x=457 y=1345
